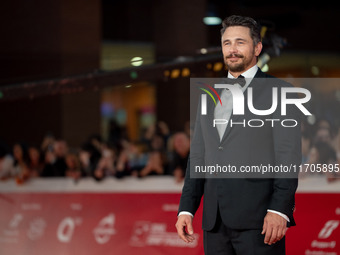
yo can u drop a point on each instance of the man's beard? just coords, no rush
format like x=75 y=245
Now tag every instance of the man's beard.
x=239 y=67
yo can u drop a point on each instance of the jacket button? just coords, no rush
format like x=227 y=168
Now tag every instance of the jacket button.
x=220 y=148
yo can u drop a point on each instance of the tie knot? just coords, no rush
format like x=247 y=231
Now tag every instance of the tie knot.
x=239 y=80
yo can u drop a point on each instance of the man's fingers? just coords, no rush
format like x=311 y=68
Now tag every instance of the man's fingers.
x=190 y=230
x=184 y=228
x=279 y=235
x=264 y=228
x=181 y=232
x=185 y=236
x=268 y=235
x=273 y=237
x=274 y=228
x=190 y=237
x=282 y=233
x=274 y=234
x=189 y=227
x=180 y=226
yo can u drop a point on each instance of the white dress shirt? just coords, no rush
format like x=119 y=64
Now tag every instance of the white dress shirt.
x=224 y=112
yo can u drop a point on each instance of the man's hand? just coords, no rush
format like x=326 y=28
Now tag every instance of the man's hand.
x=275 y=227
x=184 y=228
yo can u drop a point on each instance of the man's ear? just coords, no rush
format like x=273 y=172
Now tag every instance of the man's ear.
x=258 y=49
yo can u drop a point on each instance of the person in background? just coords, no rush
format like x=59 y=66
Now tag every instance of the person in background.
x=73 y=167
x=97 y=142
x=327 y=132
x=162 y=130
x=85 y=162
x=54 y=159
x=6 y=163
x=49 y=169
x=60 y=150
x=131 y=159
x=337 y=143
x=187 y=129
x=181 y=148
x=105 y=166
x=35 y=162
x=305 y=146
x=322 y=154
x=47 y=143
x=20 y=165
x=117 y=133
x=137 y=158
x=157 y=160
x=324 y=150
x=159 y=129
x=89 y=157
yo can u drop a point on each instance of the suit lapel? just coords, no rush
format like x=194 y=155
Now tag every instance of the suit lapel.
x=240 y=118
x=211 y=115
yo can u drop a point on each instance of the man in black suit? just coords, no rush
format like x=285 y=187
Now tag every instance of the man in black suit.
x=243 y=215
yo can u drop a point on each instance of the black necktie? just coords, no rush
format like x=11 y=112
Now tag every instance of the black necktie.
x=239 y=80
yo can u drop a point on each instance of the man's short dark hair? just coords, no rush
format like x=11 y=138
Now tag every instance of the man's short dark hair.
x=235 y=20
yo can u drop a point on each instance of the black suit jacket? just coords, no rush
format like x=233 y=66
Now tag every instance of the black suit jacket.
x=243 y=202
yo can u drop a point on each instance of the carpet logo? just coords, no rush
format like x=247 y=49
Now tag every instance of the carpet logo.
x=147 y=233
x=105 y=229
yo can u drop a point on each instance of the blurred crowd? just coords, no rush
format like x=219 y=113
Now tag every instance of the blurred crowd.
x=321 y=150
x=158 y=152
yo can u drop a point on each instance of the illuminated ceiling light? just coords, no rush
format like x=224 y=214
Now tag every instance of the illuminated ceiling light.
x=212 y=21
x=136 y=61
x=128 y=86
x=203 y=51
x=265 y=68
x=185 y=72
x=175 y=73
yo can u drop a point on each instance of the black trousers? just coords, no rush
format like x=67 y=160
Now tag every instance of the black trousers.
x=225 y=241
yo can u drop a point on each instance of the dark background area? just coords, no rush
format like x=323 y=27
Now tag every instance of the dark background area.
x=47 y=40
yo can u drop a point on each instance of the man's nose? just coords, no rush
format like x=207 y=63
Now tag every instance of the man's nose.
x=233 y=48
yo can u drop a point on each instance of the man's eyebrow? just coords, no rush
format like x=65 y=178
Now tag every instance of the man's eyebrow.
x=236 y=39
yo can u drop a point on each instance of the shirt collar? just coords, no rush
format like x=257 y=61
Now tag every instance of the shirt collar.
x=250 y=73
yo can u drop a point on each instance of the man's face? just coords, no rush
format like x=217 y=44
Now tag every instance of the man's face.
x=239 y=52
